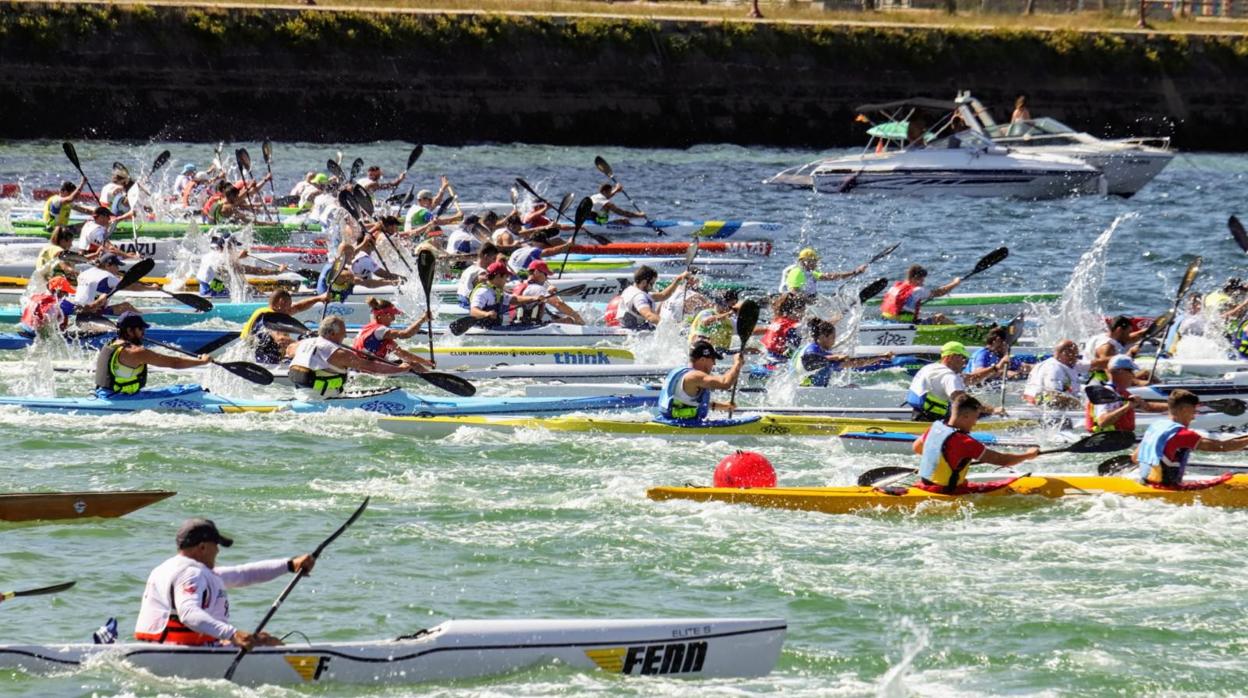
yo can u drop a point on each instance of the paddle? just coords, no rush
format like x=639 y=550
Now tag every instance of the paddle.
x=72 y=154
x=1115 y=465
x=605 y=168
x=1103 y=395
x=600 y=239
x=691 y=252
x=1100 y=442
x=199 y=303
x=266 y=150
x=414 y=156
x=747 y=320
x=281 y=322
x=244 y=169
x=1238 y=232
x=446 y=381
x=583 y=210
x=55 y=588
x=881 y=255
x=425 y=264
x=316 y=555
x=1189 y=277
x=336 y=170
x=1013 y=332
x=364 y=202
x=988 y=261
x=161 y=160
x=72 y=257
x=356 y=166
x=872 y=289
x=248 y=371
x=461 y=325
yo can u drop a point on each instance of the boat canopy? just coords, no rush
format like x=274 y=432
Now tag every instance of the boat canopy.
x=911 y=103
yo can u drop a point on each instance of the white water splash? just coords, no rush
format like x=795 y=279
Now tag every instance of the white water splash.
x=1079 y=315
x=893 y=683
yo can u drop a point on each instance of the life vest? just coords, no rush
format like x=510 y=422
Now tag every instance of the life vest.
x=338 y=292
x=1089 y=353
x=114 y=377
x=717 y=332
x=928 y=405
x=1125 y=423
x=670 y=406
x=1241 y=339
x=776 y=339
x=174 y=632
x=821 y=373
x=795 y=278
x=58 y=214
x=367 y=340
x=500 y=299
x=421 y=216
x=937 y=467
x=611 y=318
x=1155 y=468
x=598 y=213
x=325 y=379
x=210 y=206
x=892 y=307
x=529 y=313
x=43 y=309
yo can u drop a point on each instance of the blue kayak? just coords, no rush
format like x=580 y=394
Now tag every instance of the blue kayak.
x=391 y=401
x=194 y=341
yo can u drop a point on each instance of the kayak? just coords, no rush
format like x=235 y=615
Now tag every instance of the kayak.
x=478 y=357
x=48 y=506
x=1235 y=386
x=898 y=443
x=170 y=229
x=760 y=248
x=693 y=648
x=191 y=397
x=1208 y=421
x=1224 y=491
x=711 y=230
x=967 y=302
x=196 y=341
x=752 y=426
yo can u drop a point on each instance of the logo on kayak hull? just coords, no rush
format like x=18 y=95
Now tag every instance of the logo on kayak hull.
x=651 y=660
x=308 y=666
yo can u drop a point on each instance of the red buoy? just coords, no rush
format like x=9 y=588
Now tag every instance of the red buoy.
x=745 y=469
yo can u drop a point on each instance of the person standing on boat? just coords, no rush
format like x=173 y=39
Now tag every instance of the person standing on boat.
x=223 y=261
x=1057 y=381
x=817 y=361
x=121 y=365
x=270 y=347
x=320 y=364
x=938 y=384
x=1120 y=339
x=1167 y=444
x=804 y=276
x=636 y=308
x=603 y=206
x=947 y=450
x=904 y=299
x=185 y=600
x=686 y=391
x=1021 y=112
x=379 y=339
x=58 y=207
x=1120 y=415
x=538 y=284
x=97 y=281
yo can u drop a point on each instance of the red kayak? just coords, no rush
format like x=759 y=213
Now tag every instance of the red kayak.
x=9 y=190
x=761 y=248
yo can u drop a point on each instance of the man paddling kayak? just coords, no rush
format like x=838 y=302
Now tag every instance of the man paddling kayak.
x=937 y=385
x=97 y=281
x=50 y=262
x=185 y=600
x=1166 y=446
x=49 y=312
x=715 y=324
x=804 y=276
x=989 y=360
x=1120 y=415
x=783 y=335
x=538 y=284
x=635 y=310
x=468 y=278
x=320 y=364
x=686 y=391
x=223 y=261
x=377 y=337
x=373 y=184
x=1055 y=382
x=489 y=301
x=1120 y=339
x=604 y=206
x=904 y=300
x=121 y=365
x=58 y=207
x=947 y=450
x=271 y=347
x=96 y=235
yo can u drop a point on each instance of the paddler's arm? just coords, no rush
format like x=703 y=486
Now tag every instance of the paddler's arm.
x=566 y=310
x=409 y=331
x=1238 y=443
x=307 y=303
x=1006 y=460
x=135 y=356
x=847 y=361
x=696 y=380
x=1112 y=416
x=671 y=288
x=419 y=363
x=377 y=281
x=980 y=375
x=838 y=275
x=944 y=290
x=349 y=360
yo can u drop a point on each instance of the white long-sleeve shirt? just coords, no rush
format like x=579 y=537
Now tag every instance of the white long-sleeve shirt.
x=198 y=594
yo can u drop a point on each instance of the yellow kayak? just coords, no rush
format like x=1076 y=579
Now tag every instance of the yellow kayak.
x=1221 y=492
x=753 y=426
x=264 y=283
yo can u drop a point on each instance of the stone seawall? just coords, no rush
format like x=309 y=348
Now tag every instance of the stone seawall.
x=70 y=70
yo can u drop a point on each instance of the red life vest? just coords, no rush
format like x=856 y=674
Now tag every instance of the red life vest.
x=613 y=308
x=42 y=309
x=367 y=340
x=776 y=340
x=212 y=200
x=177 y=634
x=1125 y=423
x=895 y=298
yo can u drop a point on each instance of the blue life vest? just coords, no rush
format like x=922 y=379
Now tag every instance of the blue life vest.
x=1153 y=461
x=814 y=358
x=670 y=408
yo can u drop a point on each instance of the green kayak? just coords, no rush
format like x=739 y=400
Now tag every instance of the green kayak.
x=983 y=301
x=269 y=234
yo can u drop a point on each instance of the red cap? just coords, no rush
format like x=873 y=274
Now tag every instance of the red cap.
x=497 y=269
x=540 y=265
x=387 y=310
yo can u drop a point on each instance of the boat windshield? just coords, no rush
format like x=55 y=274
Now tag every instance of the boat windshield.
x=962 y=139
x=1030 y=128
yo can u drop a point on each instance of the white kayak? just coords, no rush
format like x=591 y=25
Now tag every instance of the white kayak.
x=1232 y=385
x=455 y=650
x=1208 y=421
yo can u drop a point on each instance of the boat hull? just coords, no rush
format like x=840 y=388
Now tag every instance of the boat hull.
x=51 y=506
x=694 y=648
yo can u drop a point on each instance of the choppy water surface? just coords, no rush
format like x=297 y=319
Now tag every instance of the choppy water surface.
x=1095 y=596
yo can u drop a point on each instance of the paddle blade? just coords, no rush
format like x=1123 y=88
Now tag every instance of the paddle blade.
x=1160 y=323
x=691 y=253
x=461 y=325
x=525 y=185
x=161 y=160
x=1102 y=442
x=1238 y=232
x=450 y=383
x=37 y=592
x=266 y=150
x=281 y=322
x=885 y=253
x=446 y=203
x=140 y=269
x=199 y=303
x=356 y=166
x=1233 y=407
x=603 y=166
x=600 y=239
x=747 y=320
x=1014 y=330
x=415 y=155
x=73 y=258
x=426 y=263
x=96 y=324
x=335 y=169
x=872 y=289
x=1189 y=277
x=583 y=211
x=363 y=200
x=991 y=259
x=347 y=200
x=565 y=202
x=1100 y=395
x=247 y=371
x=72 y=154
x=874 y=475
x=243 y=159
x=1115 y=465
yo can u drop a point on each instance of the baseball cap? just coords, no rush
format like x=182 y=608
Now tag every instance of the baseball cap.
x=321 y=178
x=131 y=319
x=808 y=253
x=540 y=265
x=497 y=269
x=1123 y=362
x=702 y=349
x=954 y=349
x=188 y=168
x=196 y=531
x=424 y=194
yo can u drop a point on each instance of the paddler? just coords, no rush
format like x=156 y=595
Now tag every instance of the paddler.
x=489 y=301
x=114 y=191
x=121 y=365
x=363 y=270
x=97 y=281
x=468 y=278
x=903 y=301
x=224 y=260
x=270 y=346
x=604 y=206
x=421 y=216
x=989 y=360
x=938 y=384
x=50 y=262
x=378 y=338
x=50 y=310
x=947 y=450
x=1120 y=415
x=533 y=250
x=635 y=310
x=784 y=333
x=372 y=182
x=468 y=237
x=804 y=276
x=1057 y=381
x=320 y=364
x=185 y=600
x=686 y=392
x=1167 y=444
x=58 y=207
x=817 y=361
x=1120 y=339
x=715 y=324
x=538 y=284
x=96 y=233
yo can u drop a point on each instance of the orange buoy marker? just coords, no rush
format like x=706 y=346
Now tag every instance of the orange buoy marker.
x=745 y=469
